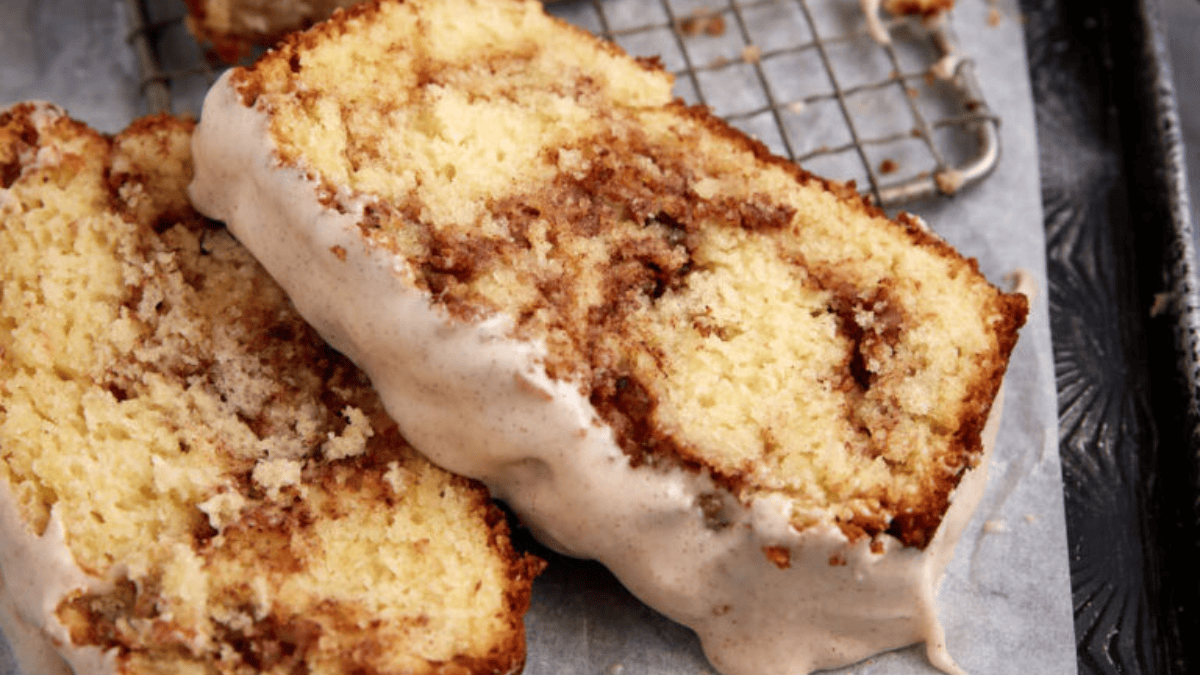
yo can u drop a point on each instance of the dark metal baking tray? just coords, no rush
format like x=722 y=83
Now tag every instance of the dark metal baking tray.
x=1122 y=262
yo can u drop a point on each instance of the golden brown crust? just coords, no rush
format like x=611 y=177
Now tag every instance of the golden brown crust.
x=248 y=80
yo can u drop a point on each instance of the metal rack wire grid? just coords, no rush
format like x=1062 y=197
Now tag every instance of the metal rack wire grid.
x=904 y=118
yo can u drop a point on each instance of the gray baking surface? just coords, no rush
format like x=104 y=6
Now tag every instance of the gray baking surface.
x=1006 y=599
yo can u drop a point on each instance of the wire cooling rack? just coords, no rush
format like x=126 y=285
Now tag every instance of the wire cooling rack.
x=904 y=118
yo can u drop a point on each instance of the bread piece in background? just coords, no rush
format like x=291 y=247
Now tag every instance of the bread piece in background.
x=236 y=27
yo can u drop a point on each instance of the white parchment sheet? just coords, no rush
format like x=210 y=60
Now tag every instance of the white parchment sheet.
x=1006 y=599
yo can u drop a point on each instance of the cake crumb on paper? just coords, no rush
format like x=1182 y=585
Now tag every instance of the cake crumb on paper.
x=704 y=21
x=949 y=181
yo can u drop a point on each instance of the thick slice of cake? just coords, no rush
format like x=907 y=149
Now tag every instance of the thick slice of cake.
x=191 y=480
x=756 y=399
x=235 y=27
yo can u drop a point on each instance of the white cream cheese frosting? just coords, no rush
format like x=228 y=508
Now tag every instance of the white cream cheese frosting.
x=38 y=571
x=478 y=402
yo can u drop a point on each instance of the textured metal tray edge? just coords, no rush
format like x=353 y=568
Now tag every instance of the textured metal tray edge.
x=1125 y=313
x=1176 y=405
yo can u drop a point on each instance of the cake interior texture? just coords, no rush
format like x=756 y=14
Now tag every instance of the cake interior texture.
x=721 y=308
x=232 y=481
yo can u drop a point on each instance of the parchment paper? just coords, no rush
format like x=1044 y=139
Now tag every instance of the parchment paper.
x=1006 y=599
